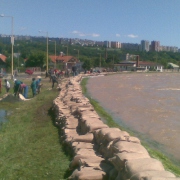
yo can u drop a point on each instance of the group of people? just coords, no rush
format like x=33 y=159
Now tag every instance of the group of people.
x=22 y=88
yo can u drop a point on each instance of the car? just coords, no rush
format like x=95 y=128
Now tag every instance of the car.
x=29 y=71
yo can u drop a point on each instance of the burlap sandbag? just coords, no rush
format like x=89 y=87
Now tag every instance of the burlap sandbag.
x=81 y=145
x=76 y=160
x=124 y=146
x=83 y=138
x=89 y=152
x=163 y=178
x=148 y=175
x=91 y=127
x=110 y=136
x=99 y=134
x=135 y=166
x=133 y=139
x=120 y=158
x=88 y=173
x=91 y=161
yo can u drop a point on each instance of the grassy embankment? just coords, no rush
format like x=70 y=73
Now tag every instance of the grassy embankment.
x=29 y=143
x=110 y=122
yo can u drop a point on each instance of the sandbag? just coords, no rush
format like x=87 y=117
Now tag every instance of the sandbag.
x=88 y=173
x=148 y=175
x=119 y=159
x=94 y=126
x=89 y=152
x=135 y=166
x=110 y=136
x=83 y=138
x=75 y=161
x=99 y=134
x=81 y=145
x=91 y=161
x=163 y=178
x=124 y=146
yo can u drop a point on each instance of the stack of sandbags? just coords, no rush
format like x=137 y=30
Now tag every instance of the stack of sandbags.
x=93 y=142
x=144 y=168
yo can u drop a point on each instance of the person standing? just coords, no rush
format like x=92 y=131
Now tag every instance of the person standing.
x=33 y=86
x=38 y=84
x=17 y=86
x=7 y=85
x=54 y=80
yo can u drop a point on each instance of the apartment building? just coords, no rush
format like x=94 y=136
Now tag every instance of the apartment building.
x=144 y=46
x=107 y=44
x=155 y=46
x=115 y=44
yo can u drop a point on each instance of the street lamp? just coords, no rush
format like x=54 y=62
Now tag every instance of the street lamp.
x=12 y=42
x=66 y=50
x=55 y=52
x=78 y=52
x=99 y=61
x=46 y=49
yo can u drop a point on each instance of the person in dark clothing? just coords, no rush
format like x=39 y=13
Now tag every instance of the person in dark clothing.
x=17 y=87
x=33 y=86
x=74 y=70
x=54 y=79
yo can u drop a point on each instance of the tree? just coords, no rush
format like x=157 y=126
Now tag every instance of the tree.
x=36 y=60
x=87 y=64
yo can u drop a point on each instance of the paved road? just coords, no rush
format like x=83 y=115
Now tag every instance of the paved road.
x=24 y=75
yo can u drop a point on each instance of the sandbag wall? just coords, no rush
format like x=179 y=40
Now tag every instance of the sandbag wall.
x=100 y=152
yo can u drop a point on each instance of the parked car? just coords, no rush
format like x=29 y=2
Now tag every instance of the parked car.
x=29 y=71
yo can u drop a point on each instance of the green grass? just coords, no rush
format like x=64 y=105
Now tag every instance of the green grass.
x=168 y=165
x=30 y=147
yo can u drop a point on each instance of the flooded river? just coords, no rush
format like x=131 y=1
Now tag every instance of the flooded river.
x=146 y=103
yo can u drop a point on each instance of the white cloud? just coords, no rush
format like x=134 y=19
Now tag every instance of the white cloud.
x=75 y=32
x=132 y=36
x=84 y=34
x=118 y=35
x=95 y=35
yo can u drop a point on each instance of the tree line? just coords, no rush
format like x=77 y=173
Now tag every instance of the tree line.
x=33 y=53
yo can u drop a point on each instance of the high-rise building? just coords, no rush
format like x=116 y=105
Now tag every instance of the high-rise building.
x=144 y=45
x=155 y=46
x=115 y=44
x=107 y=44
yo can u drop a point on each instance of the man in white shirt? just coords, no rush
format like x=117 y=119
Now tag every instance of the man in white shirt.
x=7 y=85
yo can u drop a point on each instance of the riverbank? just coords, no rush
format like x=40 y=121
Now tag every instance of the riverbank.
x=154 y=153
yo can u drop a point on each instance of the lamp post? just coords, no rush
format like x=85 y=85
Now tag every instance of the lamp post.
x=100 y=61
x=54 y=52
x=12 y=42
x=66 y=50
x=46 y=50
x=78 y=52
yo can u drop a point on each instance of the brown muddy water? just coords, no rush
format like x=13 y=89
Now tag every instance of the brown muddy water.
x=146 y=103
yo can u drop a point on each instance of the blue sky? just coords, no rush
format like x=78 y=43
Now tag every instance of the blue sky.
x=127 y=21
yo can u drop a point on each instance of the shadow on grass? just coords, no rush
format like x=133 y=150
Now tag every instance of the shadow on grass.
x=67 y=151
